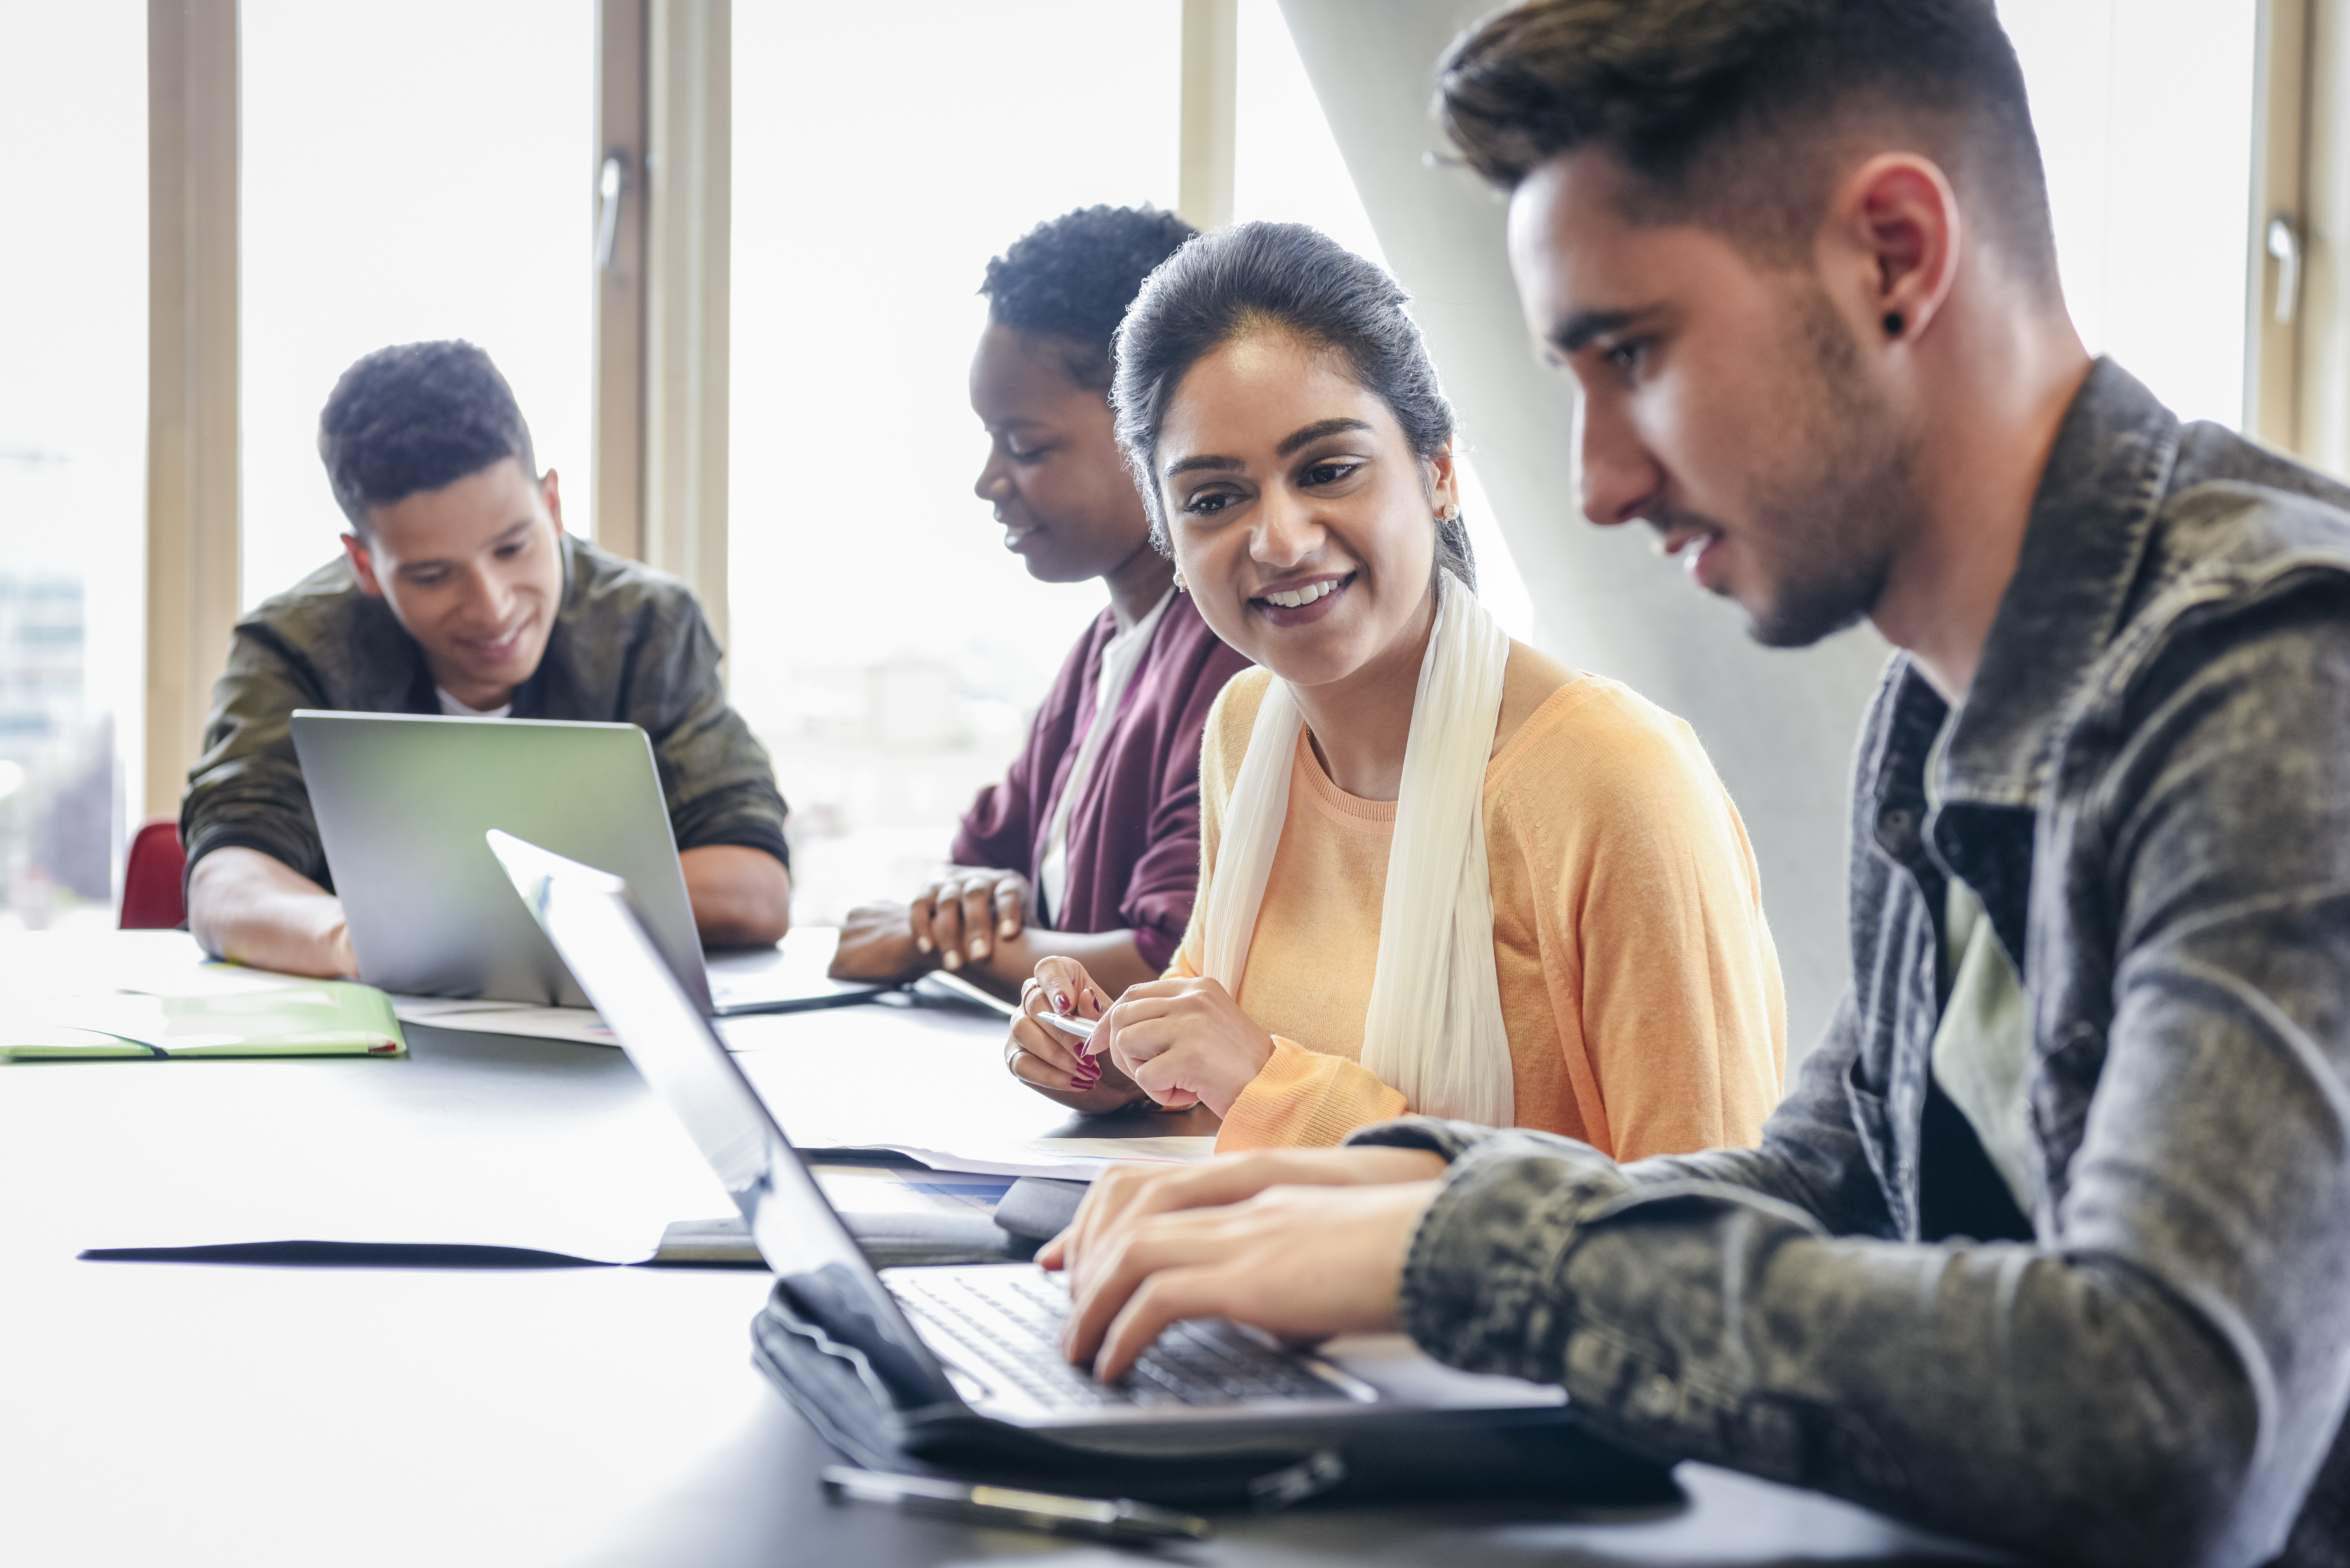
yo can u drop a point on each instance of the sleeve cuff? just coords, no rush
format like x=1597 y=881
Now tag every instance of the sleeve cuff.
x=306 y=859
x=1156 y=946
x=1304 y=1099
x=1436 y=1135
x=751 y=815
x=748 y=835
x=1484 y=1285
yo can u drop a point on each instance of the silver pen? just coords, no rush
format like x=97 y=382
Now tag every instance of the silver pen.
x=1101 y=1519
x=1083 y=1028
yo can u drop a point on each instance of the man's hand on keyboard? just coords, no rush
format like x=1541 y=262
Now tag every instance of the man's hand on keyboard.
x=1302 y=1262
x=1124 y=1194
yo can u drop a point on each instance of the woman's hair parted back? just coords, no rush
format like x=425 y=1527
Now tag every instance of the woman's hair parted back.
x=1276 y=277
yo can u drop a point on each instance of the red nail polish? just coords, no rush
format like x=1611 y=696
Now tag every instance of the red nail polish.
x=1060 y=1003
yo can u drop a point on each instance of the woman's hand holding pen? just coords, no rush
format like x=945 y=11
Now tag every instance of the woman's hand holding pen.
x=1057 y=1063
x=1185 y=1042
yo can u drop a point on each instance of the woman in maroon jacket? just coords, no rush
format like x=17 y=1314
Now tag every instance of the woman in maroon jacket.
x=1090 y=846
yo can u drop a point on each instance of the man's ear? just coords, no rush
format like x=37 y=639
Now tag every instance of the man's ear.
x=363 y=565
x=549 y=493
x=1898 y=217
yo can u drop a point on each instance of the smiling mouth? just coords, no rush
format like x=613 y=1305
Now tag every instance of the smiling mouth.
x=1298 y=598
x=1293 y=598
x=1301 y=603
x=498 y=649
x=1695 y=547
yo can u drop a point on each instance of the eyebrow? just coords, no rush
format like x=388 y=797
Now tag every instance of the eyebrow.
x=1306 y=436
x=1315 y=432
x=1586 y=325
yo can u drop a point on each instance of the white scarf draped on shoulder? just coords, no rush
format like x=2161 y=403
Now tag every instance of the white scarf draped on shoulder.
x=1434 y=1030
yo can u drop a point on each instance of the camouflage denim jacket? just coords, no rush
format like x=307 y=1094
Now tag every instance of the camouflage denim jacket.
x=2149 y=786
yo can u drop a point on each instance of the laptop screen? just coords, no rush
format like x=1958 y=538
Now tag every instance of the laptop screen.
x=586 y=914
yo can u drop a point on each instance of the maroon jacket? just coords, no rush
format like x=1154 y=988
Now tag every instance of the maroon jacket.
x=1134 y=837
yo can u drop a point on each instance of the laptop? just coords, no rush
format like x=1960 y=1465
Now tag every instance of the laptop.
x=952 y=1344
x=402 y=801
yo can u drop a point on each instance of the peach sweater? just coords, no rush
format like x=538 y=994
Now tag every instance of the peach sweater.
x=1638 y=983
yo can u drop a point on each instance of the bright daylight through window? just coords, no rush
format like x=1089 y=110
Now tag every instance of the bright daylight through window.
x=2145 y=114
x=73 y=431
x=411 y=168
x=883 y=643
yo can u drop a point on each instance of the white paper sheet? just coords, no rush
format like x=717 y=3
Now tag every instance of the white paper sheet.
x=577 y=1025
x=1062 y=1159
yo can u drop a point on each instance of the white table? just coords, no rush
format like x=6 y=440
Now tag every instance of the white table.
x=183 y=1414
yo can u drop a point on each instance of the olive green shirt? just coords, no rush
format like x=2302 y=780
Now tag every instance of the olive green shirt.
x=630 y=646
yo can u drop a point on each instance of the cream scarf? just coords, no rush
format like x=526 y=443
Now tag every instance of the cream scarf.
x=1434 y=1029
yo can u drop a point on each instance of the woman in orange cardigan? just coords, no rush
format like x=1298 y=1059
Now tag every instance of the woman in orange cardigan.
x=1440 y=873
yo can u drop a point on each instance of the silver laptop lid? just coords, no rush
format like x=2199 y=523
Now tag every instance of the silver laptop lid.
x=401 y=802
x=587 y=916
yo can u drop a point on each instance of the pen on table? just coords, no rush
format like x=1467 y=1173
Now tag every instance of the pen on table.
x=1102 y=1519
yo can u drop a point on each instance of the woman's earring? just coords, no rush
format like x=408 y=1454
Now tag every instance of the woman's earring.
x=1181 y=586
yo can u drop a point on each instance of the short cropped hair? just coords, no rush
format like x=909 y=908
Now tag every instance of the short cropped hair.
x=1072 y=277
x=1277 y=277
x=416 y=416
x=1728 y=113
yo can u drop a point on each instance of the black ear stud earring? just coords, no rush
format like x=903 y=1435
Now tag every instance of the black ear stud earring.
x=1894 y=324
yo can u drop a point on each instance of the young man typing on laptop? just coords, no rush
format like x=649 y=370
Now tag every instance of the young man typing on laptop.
x=460 y=594
x=2048 y=1246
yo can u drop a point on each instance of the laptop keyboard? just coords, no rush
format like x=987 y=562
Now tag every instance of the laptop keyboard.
x=1011 y=1320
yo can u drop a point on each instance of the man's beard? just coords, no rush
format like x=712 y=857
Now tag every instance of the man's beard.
x=1824 y=533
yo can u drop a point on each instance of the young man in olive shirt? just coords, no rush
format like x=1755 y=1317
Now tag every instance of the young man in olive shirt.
x=459 y=593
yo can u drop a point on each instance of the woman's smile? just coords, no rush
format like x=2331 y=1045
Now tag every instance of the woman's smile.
x=1303 y=601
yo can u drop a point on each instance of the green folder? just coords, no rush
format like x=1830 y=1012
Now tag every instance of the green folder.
x=298 y=1018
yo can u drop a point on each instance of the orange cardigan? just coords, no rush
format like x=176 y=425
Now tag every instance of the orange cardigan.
x=1639 y=987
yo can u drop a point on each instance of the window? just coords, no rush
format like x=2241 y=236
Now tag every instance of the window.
x=2145 y=114
x=72 y=440
x=413 y=168
x=883 y=643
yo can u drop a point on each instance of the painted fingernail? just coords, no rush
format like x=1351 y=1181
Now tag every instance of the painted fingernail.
x=922 y=944
x=1010 y=927
x=979 y=947
x=952 y=959
x=1060 y=1002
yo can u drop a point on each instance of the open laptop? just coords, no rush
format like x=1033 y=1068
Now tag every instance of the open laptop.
x=977 y=1340
x=402 y=801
